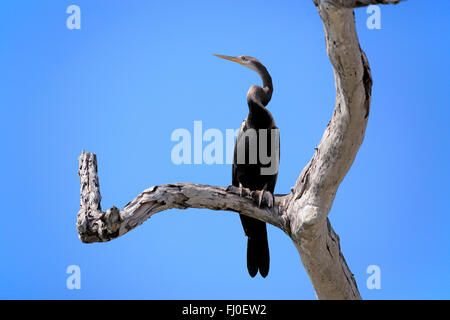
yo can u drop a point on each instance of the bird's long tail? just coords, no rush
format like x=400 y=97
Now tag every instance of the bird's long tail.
x=258 y=257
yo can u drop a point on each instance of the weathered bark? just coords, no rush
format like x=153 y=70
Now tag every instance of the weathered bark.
x=356 y=3
x=93 y=225
x=302 y=214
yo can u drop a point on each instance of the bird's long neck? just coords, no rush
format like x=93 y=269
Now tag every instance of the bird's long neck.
x=266 y=95
x=258 y=98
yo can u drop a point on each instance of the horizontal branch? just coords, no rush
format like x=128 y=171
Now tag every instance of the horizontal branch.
x=96 y=226
x=355 y=3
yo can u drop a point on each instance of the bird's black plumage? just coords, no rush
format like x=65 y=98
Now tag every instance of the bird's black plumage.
x=248 y=173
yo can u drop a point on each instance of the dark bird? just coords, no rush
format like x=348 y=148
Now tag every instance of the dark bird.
x=256 y=142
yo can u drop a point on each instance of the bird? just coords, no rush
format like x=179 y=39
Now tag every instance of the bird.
x=250 y=174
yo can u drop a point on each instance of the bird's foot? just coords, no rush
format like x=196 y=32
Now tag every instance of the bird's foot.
x=263 y=198
x=242 y=192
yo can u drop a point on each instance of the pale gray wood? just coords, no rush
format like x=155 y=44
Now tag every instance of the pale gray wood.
x=93 y=225
x=302 y=214
x=355 y=3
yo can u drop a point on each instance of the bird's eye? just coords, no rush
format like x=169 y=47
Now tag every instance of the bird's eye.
x=243 y=58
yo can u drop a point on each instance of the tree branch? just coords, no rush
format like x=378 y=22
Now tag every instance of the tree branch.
x=355 y=3
x=316 y=187
x=94 y=225
x=303 y=214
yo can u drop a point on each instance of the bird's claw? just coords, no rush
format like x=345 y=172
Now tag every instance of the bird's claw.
x=263 y=198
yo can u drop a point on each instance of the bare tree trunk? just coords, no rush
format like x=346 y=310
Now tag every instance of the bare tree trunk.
x=302 y=214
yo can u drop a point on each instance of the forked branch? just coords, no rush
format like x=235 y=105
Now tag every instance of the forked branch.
x=302 y=214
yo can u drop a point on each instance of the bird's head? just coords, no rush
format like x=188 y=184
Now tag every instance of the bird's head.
x=246 y=61
x=263 y=95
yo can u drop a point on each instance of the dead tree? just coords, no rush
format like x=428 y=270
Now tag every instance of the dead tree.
x=301 y=214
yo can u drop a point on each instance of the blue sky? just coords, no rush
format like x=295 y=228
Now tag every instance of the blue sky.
x=137 y=70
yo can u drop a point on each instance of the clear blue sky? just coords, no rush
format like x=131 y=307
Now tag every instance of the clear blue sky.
x=137 y=70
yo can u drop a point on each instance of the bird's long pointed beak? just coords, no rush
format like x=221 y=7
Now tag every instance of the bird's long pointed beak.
x=234 y=59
